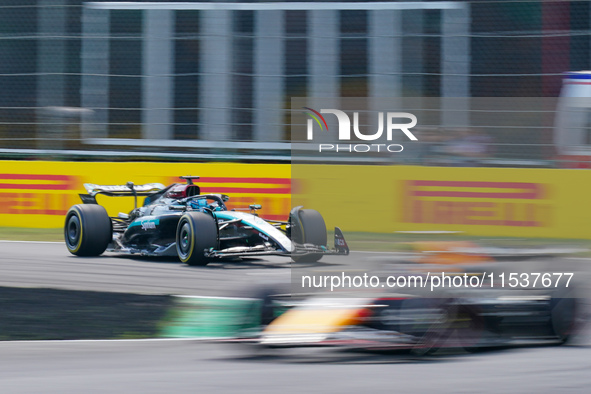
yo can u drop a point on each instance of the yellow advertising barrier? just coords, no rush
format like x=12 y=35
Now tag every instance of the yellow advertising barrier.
x=477 y=201
x=38 y=194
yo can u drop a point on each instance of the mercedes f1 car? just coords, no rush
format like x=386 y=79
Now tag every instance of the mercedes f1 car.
x=180 y=221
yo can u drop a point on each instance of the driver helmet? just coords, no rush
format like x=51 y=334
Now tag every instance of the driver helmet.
x=199 y=204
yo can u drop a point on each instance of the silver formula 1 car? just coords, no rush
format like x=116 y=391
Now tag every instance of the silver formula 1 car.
x=179 y=220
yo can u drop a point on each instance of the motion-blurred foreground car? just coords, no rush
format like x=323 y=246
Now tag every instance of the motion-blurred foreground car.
x=179 y=220
x=421 y=324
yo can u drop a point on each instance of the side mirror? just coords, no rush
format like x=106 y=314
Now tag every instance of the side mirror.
x=254 y=207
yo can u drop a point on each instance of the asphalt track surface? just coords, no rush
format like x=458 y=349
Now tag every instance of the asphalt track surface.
x=25 y=264
x=49 y=264
x=189 y=366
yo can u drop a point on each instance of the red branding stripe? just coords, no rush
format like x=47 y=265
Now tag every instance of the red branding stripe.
x=273 y=217
x=64 y=182
x=499 y=185
x=34 y=203
x=230 y=189
x=526 y=191
x=28 y=186
x=273 y=181
x=525 y=196
x=244 y=188
x=35 y=177
x=243 y=185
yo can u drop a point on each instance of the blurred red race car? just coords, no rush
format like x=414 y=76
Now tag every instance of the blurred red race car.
x=469 y=320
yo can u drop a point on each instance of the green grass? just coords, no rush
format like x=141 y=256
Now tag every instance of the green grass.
x=31 y=234
x=397 y=242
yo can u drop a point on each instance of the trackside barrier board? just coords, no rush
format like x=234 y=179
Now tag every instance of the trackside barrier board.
x=550 y=203
x=506 y=202
x=38 y=194
x=211 y=317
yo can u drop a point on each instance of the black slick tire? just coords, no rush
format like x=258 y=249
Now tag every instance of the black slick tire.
x=196 y=232
x=87 y=230
x=312 y=230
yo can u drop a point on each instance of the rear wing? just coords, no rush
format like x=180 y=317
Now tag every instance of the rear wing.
x=123 y=190
x=128 y=190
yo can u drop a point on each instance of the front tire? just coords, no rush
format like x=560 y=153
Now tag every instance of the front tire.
x=196 y=233
x=88 y=230
x=309 y=228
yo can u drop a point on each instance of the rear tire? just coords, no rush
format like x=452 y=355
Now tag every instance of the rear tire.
x=270 y=298
x=196 y=233
x=311 y=231
x=564 y=313
x=88 y=230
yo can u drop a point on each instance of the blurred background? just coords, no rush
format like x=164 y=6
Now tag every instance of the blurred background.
x=211 y=81
x=111 y=92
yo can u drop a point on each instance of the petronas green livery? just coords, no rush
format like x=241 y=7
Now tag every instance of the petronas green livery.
x=178 y=220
